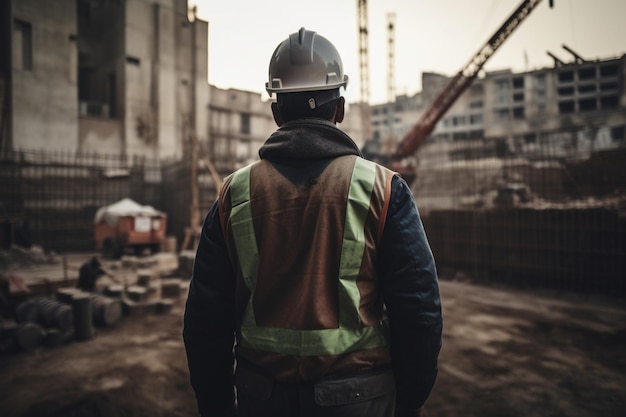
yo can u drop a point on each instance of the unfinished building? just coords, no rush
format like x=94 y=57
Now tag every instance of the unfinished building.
x=239 y=123
x=109 y=99
x=532 y=128
x=106 y=76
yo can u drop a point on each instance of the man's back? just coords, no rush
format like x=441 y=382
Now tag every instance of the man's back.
x=314 y=279
x=304 y=260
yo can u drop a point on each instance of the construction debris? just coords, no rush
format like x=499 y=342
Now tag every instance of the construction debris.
x=65 y=313
x=19 y=256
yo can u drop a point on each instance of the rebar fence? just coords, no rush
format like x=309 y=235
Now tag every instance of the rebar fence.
x=547 y=211
x=51 y=198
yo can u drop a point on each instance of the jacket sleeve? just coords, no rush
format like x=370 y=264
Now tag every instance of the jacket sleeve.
x=411 y=294
x=209 y=322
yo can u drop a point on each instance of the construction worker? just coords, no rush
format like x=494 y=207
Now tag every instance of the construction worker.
x=314 y=265
x=89 y=273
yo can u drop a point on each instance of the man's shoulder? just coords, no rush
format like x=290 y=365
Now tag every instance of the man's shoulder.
x=383 y=170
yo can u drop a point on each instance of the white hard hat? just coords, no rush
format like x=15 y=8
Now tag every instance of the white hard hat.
x=305 y=61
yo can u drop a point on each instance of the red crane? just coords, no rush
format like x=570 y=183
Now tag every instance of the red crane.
x=457 y=85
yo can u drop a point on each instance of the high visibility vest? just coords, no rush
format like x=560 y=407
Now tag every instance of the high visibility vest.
x=351 y=334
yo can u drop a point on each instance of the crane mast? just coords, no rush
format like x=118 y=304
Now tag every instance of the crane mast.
x=460 y=82
x=391 y=83
x=364 y=69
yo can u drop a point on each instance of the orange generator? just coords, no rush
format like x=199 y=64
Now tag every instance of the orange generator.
x=129 y=225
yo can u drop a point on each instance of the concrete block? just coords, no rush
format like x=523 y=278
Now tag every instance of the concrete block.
x=129 y=262
x=137 y=293
x=185 y=260
x=170 y=244
x=147 y=262
x=153 y=291
x=171 y=288
x=164 y=306
x=145 y=276
x=166 y=263
x=131 y=307
x=114 y=291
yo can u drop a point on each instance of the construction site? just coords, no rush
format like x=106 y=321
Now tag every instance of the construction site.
x=518 y=177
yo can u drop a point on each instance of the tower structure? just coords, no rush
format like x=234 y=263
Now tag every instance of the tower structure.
x=364 y=69
x=391 y=83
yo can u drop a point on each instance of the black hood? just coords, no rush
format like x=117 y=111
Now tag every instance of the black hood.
x=307 y=139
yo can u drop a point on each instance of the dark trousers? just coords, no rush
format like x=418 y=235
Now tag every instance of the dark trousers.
x=368 y=394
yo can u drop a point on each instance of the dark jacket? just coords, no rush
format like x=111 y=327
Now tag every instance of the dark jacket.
x=405 y=265
x=88 y=275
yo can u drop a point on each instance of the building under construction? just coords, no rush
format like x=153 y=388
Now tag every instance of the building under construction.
x=109 y=99
x=528 y=124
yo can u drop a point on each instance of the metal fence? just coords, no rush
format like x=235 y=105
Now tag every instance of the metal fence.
x=50 y=199
x=551 y=217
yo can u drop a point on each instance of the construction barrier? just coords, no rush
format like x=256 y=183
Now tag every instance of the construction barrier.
x=579 y=249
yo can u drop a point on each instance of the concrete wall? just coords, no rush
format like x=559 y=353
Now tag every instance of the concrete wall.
x=229 y=147
x=167 y=25
x=140 y=129
x=122 y=78
x=6 y=29
x=102 y=61
x=44 y=105
x=202 y=88
x=100 y=135
x=351 y=124
x=166 y=77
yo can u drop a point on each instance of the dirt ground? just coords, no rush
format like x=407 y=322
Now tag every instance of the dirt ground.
x=507 y=352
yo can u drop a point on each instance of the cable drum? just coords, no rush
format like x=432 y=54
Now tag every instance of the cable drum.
x=53 y=338
x=26 y=312
x=106 y=311
x=52 y=313
x=114 y=291
x=28 y=336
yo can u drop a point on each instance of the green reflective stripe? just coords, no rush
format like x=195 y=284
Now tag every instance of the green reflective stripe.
x=312 y=342
x=350 y=335
x=359 y=195
x=241 y=224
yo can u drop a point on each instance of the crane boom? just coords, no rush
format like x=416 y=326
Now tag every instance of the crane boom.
x=460 y=82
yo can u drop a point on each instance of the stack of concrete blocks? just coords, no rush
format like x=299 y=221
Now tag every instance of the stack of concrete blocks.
x=185 y=260
x=154 y=285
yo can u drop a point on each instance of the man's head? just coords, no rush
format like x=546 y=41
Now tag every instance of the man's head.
x=95 y=262
x=306 y=73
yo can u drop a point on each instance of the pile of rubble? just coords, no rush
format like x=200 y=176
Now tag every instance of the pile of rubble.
x=18 y=256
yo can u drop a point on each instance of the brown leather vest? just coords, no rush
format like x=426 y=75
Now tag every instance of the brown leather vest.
x=300 y=236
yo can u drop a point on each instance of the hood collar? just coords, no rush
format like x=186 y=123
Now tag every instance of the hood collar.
x=308 y=139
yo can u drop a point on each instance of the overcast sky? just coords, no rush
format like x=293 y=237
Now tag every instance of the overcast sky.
x=430 y=35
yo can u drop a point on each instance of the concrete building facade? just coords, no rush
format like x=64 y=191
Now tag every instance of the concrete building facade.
x=39 y=46
x=239 y=122
x=125 y=77
x=573 y=108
